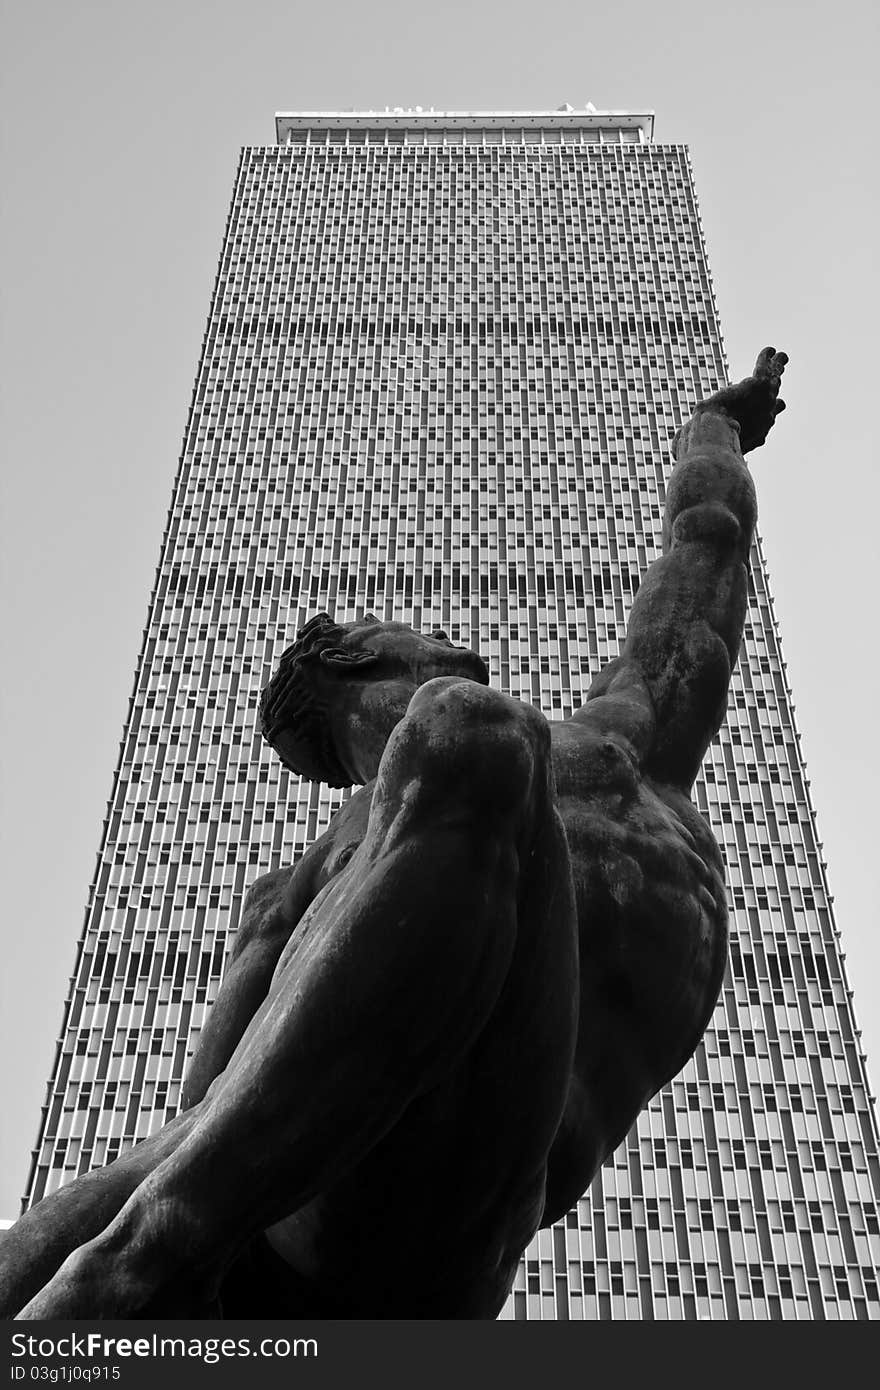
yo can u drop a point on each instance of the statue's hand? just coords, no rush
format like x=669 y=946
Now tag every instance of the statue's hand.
x=753 y=403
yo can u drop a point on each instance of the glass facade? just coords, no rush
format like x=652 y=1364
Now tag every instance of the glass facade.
x=443 y=364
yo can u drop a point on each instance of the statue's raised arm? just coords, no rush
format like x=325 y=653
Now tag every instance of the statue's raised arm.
x=667 y=691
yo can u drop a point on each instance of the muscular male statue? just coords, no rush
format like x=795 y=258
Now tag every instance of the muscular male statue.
x=437 y=1025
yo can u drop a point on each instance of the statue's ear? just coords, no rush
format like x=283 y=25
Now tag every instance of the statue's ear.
x=340 y=660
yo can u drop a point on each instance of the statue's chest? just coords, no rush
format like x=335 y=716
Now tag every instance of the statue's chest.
x=649 y=882
x=349 y=828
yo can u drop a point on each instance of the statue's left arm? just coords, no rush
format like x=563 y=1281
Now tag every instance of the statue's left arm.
x=667 y=691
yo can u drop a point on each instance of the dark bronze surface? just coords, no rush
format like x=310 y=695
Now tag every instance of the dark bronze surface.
x=440 y=1021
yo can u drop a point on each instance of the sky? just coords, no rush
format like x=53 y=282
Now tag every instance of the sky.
x=121 y=127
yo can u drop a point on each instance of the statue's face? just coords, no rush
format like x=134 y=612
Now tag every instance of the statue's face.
x=395 y=651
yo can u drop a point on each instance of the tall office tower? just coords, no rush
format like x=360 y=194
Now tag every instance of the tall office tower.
x=443 y=364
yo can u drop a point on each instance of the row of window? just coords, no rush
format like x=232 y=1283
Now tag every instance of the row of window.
x=455 y=135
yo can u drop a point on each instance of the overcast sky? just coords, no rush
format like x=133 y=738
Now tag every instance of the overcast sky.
x=121 y=129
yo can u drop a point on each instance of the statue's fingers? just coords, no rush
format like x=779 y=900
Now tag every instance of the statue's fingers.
x=765 y=357
x=780 y=362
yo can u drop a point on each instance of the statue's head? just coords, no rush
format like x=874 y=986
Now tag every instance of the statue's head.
x=340 y=683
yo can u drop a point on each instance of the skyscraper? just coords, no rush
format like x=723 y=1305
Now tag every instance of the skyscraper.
x=444 y=359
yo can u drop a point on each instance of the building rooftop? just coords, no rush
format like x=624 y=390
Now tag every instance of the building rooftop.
x=565 y=117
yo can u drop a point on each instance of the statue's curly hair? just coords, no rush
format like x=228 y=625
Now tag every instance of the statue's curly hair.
x=293 y=715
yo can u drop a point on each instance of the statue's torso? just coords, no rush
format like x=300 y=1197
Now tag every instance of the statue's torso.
x=651 y=928
x=652 y=931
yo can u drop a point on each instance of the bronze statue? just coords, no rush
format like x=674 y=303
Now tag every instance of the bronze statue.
x=439 y=1023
